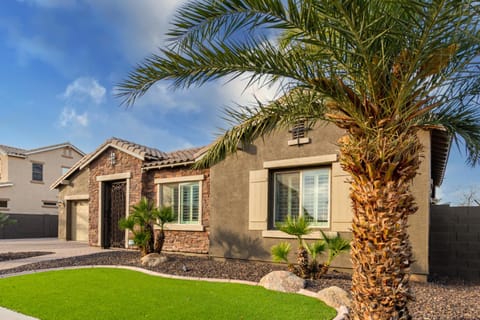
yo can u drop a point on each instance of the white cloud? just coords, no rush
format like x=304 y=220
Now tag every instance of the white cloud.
x=84 y=89
x=69 y=117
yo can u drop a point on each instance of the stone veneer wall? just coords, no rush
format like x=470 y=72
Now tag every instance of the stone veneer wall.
x=183 y=241
x=102 y=166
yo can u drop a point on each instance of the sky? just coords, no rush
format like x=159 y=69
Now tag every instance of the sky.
x=61 y=60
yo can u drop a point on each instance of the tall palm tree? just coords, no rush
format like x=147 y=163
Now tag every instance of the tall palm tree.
x=382 y=70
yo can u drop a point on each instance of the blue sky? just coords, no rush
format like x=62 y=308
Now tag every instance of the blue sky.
x=60 y=61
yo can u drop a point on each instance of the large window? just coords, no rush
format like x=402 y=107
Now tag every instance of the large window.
x=302 y=193
x=184 y=198
x=37 y=172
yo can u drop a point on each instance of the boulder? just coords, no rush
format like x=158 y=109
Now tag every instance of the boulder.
x=334 y=296
x=153 y=259
x=283 y=281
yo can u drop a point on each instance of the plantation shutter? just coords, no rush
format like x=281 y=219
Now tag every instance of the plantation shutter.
x=189 y=202
x=258 y=200
x=316 y=195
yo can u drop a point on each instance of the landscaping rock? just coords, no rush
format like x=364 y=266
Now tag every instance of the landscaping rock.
x=153 y=260
x=334 y=296
x=283 y=281
x=342 y=313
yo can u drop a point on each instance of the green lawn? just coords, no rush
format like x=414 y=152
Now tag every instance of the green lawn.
x=102 y=293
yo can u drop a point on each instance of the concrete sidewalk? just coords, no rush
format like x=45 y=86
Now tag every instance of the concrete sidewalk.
x=60 y=248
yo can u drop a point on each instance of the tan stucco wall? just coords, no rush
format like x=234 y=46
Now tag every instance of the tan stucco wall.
x=230 y=234
x=3 y=168
x=420 y=221
x=76 y=189
x=26 y=196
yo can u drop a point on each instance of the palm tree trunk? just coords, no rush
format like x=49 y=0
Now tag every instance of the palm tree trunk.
x=302 y=260
x=159 y=241
x=149 y=244
x=382 y=167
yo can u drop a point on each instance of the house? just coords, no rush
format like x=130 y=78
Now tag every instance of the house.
x=230 y=210
x=101 y=188
x=25 y=177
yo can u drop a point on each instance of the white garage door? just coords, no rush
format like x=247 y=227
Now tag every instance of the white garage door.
x=79 y=221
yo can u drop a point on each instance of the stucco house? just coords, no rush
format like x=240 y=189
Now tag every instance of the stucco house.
x=241 y=197
x=25 y=178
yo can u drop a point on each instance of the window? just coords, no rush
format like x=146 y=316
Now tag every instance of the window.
x=302 y=193
x=37 y=171
x=4 y=203
x=64 y=170
x=184 y=198
x=49 y=203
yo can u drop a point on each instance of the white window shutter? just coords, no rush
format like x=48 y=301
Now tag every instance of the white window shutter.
x=258 y=200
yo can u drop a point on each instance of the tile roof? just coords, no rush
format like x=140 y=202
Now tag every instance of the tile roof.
x=12 y=151
x=143 y=151
x=175 y=158
x=152 y=157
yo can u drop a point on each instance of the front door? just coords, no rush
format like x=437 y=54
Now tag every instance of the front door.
x=114 y=208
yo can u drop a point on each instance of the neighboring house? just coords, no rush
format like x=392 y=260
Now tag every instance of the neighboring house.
x=242 y=197
x=25 y=177
x=101 y=188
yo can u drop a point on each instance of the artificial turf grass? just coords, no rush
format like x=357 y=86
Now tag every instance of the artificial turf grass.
x=105 y=293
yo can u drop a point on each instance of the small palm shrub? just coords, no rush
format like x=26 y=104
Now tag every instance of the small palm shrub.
x=298 y=227
x=162 y=216
x=140 y=223
x=307 y=265
x=5 y=219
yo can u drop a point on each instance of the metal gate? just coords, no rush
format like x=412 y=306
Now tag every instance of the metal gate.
x=114 y=209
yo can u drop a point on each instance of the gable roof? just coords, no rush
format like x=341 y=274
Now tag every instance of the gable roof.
x=138 y=151
x=144 y=153
x=12 y=151
x=23 y=153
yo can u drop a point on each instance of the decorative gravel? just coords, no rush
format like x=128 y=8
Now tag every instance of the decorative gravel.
x=440 y=300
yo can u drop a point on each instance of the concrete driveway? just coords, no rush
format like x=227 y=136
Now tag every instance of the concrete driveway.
x=60 y=248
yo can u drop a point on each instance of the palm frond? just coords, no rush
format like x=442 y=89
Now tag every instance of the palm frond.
x=250 y=123
x=280 y=252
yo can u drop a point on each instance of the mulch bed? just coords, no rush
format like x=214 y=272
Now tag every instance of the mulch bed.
x=445 y=299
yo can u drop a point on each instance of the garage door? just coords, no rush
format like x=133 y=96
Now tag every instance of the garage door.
x=79 y=221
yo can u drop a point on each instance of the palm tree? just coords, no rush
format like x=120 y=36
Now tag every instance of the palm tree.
x=140 y=223
x=298 y=227
x=381 y=70
x=162 y=216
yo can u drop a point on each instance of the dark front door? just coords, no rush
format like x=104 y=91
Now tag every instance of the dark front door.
x=114 y=205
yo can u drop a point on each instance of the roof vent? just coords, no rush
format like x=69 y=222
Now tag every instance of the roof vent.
x=299 y=134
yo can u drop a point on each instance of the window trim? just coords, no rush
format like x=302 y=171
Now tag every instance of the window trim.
x=181 y=180
x=49 y=204
x=300 y=170
x=36 y=180
x=7 y=201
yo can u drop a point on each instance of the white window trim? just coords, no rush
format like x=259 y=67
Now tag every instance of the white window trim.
x=299 y=162
x=282 y=235
x=199 y=177
x=329 y=190
x=187 y=226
